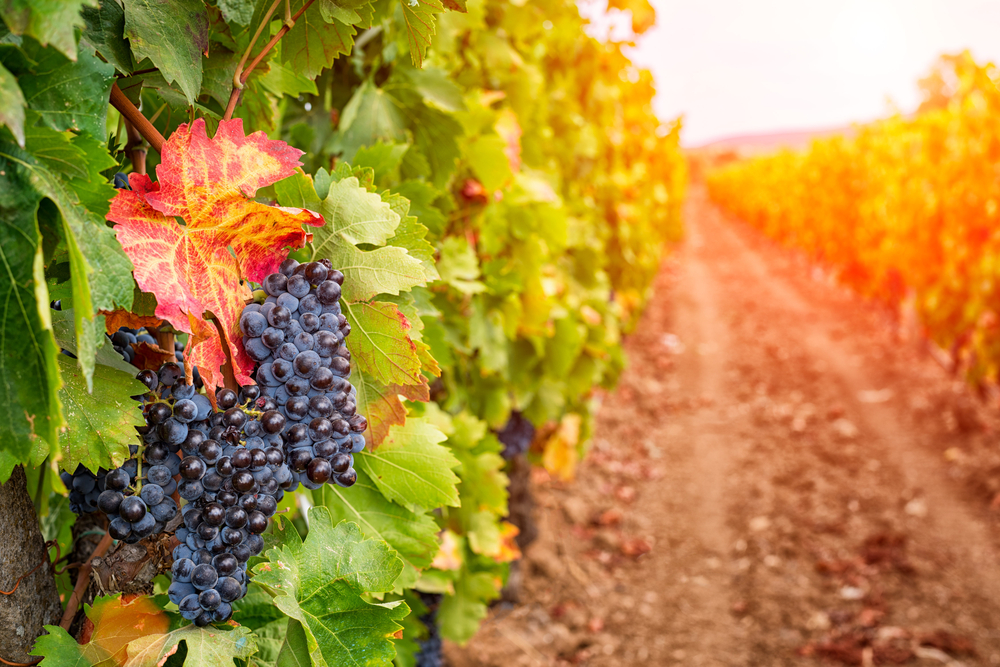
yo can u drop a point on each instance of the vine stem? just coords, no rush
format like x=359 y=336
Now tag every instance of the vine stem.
x=135 y=117
x=82 y=581
x=241 y=77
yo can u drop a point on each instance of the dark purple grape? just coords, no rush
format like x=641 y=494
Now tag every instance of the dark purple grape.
x=275 y=283
x=151 y=494
x=226 y=399
x=282 y=369
x=347 y=478
x=230 y=589
x=336 y=276
x=341 y=462
x=235 y=417
x=288 y=266
x=298 y=286
x=318 y=471
x=272 y=421
x=210 y=451
x=243 y=481
x=272 y=338
x=299 y=459
x=157 y=413
x=252 y=323
x=241 y=459
x=279 y=317
x=132 y=509
x=204 y=577
x=148 y=378
x=119 y=528
x=328 y=292
x=193 y=467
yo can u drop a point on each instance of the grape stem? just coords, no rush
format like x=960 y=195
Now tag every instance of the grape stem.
x=240 y=78
x=82 y=581
x=133 y=115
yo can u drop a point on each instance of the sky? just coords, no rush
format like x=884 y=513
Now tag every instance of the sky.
x=735 y=67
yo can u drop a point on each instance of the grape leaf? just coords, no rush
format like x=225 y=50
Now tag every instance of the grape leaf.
x=237 y=11
x=12 y=111
x=313 y=44
x=49 y=21
x=29 y=375
x=173 y=35
x=412 y=534
x=412 y=468
x=68 y=94
x=209 y=184
x=379 y=344
x=419 y=17
x=371 y=115
x=356 y=216
x=106 y=32
x=210 y=646
x=381 y=404
x=320 y=582
x=116 y=625
x=295 y=649
x=101 y=272
x=459 y=614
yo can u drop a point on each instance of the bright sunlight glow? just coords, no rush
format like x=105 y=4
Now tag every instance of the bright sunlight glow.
x=734 y=67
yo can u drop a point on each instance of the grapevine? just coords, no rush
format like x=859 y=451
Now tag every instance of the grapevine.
x=278 y=353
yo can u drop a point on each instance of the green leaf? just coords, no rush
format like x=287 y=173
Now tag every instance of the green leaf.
x=29 y=373
x=58 y=647
x=69 y=95
x=173 y=35
x=236 y=11
x=435 y=87
x=321 y=584
x=460 y=614
x=486 y=334
x=211 y=646
x=486 y=157
x=412 y=534
x=99 y=425
x=313 y=44
x=420 y=19
x=101 y=272
x=355 y=216
x=12 y=110
x=106 y=32
x=380 y=345
x=412 y=468
x=383 y=158
x=370 y=116
x=63 y=327
x=49 y=21
x=459 y=266
x=295 y=649
x=436 y=134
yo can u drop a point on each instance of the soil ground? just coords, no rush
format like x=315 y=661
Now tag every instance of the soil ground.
x=783 y=477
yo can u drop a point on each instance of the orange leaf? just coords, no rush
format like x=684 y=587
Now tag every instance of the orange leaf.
x=226 y=238
x=116 y=319
x=150 y=357
x=509 y=551
x=117 y=624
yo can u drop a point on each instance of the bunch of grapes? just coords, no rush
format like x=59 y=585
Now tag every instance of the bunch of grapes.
x=171 y=409
x=232 y=476
x=429 y=654
x=84 y=488
x=297 y=339
x=516 y=435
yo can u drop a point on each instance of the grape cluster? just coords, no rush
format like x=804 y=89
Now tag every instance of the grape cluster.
x=171 y=409
x=232 y=475
x=84 y=488
x=297 y=339
x=516 y=435
x=429 y=653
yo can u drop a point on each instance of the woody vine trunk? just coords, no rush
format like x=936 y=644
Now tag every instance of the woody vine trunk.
x=35 y=602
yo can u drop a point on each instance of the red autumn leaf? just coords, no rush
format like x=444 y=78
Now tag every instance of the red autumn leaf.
x=200 y=267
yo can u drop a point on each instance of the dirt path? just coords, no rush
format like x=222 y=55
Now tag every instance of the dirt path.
x=780 y=479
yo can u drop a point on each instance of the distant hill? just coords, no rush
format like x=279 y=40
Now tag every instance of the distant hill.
x=771 y=141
